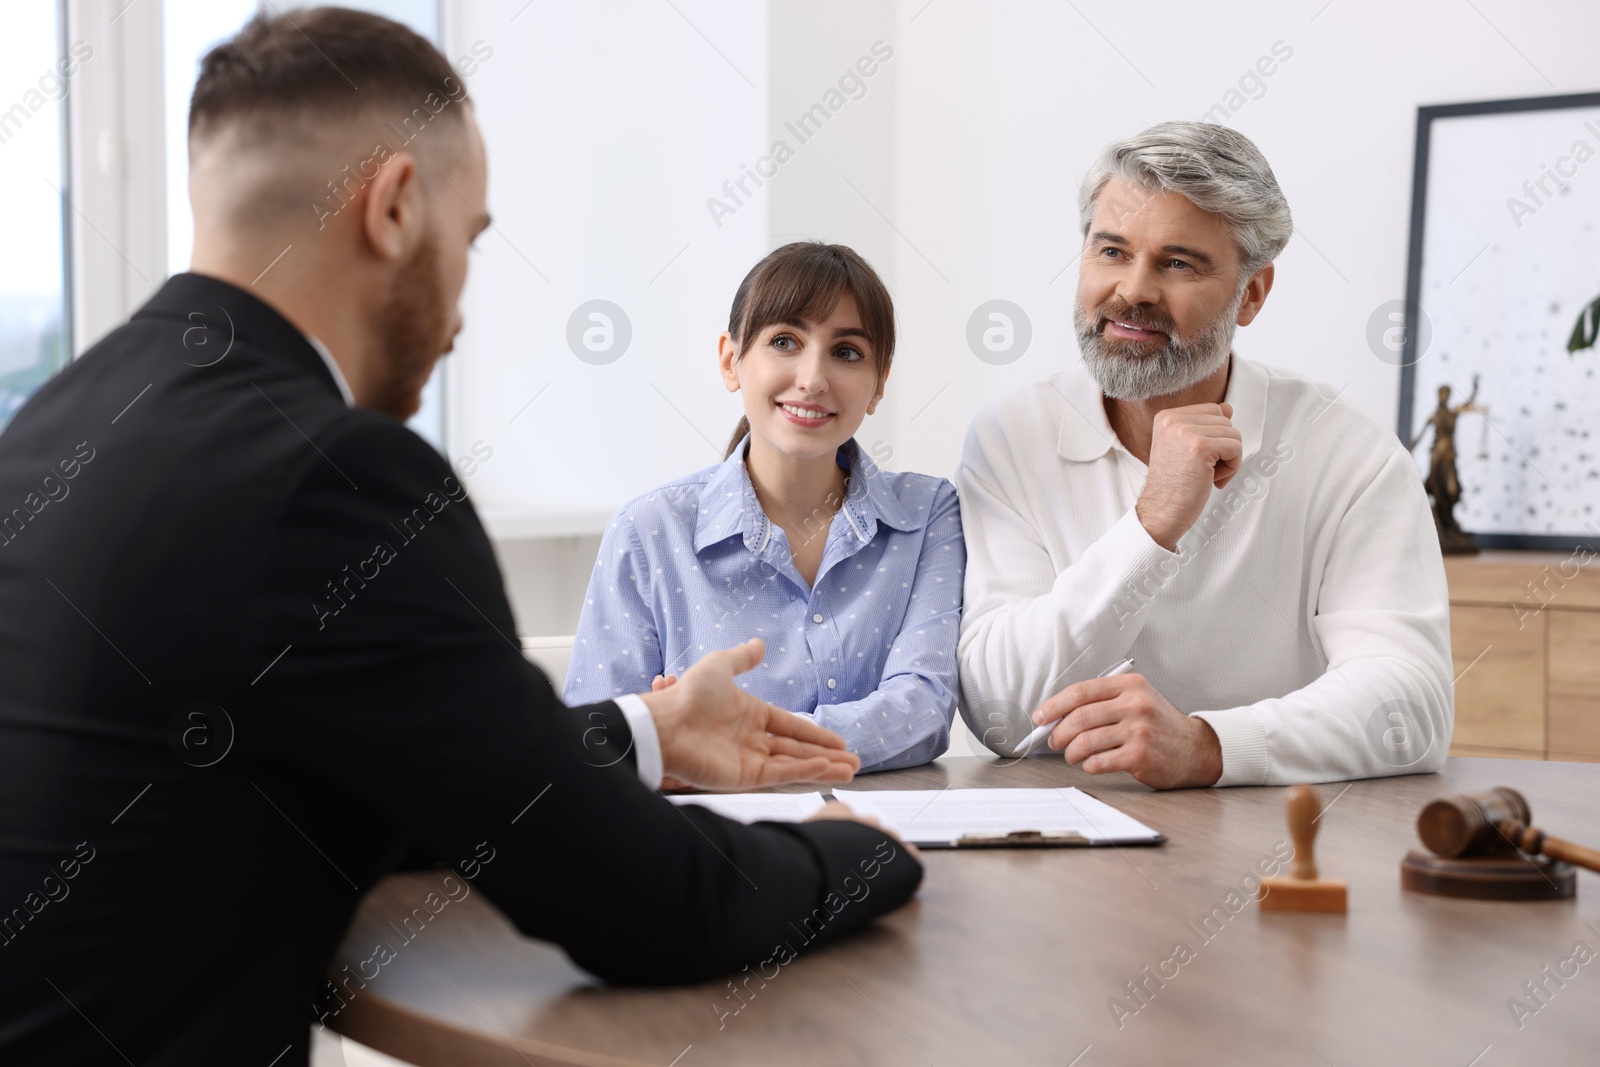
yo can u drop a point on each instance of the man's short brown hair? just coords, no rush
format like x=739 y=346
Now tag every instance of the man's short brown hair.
x=322 y=62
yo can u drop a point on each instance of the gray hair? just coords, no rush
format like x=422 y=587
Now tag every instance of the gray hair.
x=1217 y=168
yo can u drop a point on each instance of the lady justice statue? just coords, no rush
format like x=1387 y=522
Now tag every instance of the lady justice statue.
x=1442 y=483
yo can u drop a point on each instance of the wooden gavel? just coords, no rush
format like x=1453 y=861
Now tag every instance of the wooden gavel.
x=1479 y=824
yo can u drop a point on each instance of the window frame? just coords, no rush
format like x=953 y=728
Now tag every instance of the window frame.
x=114 y=171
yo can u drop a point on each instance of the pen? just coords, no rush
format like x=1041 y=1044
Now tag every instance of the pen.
x=1041 y=732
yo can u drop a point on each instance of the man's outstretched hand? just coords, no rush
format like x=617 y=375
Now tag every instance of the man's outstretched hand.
x=715 y=735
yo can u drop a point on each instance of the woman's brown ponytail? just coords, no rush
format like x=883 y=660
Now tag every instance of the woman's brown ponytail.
x=738 y=435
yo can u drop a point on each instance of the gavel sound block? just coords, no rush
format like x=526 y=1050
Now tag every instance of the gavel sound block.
x=1483 y=848
x=1302 y=890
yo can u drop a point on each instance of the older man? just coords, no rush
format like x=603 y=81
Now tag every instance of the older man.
x=1260 y=550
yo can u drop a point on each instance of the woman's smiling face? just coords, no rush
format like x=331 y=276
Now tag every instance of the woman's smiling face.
x=807 y=385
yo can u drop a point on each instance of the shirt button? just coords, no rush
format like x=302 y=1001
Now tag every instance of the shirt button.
x=817 y=617
x=830 y=683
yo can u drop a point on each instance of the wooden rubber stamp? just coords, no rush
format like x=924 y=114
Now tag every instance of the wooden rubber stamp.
x=1302 y=890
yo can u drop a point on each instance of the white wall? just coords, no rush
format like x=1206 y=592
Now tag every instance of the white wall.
x=955 y=173
x=841 y=176
x=608 y=126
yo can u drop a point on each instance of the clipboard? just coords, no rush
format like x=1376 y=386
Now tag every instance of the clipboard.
x=1000 y=818
x=1034 y=839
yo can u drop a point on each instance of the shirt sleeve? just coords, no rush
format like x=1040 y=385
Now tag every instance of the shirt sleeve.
x=646 y=741
x=1385 y=705
x=1032 y=629
x=616 y=650
x=905 y=722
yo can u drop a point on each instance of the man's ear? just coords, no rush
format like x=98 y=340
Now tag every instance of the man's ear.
x=727 y=352
x=393 y=207
x=1255 y=294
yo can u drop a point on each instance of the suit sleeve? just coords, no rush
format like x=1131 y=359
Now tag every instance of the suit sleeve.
x=403 y=683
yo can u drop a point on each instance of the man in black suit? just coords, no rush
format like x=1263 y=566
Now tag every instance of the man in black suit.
x=255 y=648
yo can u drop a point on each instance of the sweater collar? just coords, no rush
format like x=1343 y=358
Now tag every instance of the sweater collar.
x=1086 y=434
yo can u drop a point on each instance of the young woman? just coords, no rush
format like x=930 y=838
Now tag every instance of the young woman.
x=850 y=574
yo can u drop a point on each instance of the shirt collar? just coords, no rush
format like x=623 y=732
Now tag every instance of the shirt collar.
x=728 y=503
x=333 y=369
x=872 y=498
x=1086 y=433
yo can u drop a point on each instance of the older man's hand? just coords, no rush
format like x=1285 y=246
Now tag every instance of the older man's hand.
x=1123 y=724
x=716 y=735
x=1192 y=449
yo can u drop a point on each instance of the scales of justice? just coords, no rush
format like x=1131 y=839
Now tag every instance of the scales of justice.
x=1442 y=482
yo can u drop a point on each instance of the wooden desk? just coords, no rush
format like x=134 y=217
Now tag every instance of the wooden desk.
x=1013 y=957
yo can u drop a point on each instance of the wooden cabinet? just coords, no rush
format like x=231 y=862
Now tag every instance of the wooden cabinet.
x=1574 y=698
x=1500 y=682
x=1525 y=636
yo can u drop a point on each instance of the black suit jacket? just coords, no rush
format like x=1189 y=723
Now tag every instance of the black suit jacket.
x=255 y=649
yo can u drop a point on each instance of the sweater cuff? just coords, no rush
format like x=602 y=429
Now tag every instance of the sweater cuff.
x=1244 y=745
x=1127 y=555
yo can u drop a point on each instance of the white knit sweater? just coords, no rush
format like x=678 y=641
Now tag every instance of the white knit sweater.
x=1305 y=616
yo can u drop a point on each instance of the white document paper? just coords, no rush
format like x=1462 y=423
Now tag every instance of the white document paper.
x=757 y=807
x=943 y=817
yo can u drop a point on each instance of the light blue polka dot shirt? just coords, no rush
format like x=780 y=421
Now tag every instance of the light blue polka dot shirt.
x=869 y=651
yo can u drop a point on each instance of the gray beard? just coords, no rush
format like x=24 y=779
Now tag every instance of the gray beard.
x=1123 y=372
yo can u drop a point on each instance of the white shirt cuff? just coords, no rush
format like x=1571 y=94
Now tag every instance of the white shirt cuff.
x=646 y=742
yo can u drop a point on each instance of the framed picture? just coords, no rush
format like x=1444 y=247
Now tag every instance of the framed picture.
x=1504 y=258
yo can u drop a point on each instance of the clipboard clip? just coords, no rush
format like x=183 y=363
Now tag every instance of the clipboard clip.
x=1022 y=839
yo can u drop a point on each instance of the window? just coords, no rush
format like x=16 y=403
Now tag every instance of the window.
x=37 y=66
x=191 y=29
